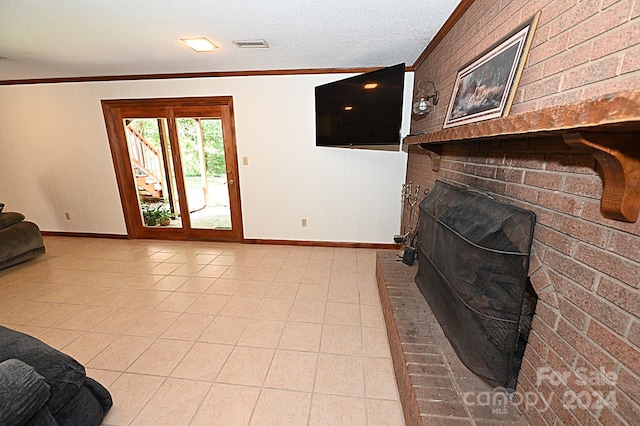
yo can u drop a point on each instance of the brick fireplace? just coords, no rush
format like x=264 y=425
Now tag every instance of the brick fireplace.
x=585 y=268
x=581 y=79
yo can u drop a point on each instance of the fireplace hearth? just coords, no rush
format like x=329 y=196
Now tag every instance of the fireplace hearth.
x=473 y=255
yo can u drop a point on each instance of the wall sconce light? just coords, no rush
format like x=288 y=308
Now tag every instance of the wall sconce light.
x=424 y=102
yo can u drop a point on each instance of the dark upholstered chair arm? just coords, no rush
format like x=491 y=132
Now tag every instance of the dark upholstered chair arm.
x=23 y=392
x=8 y=219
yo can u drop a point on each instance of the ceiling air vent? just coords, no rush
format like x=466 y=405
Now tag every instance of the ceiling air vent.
x=251 y=44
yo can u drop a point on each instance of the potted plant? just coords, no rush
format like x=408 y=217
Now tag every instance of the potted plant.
x=151 y=214
x=156 y=214
x=164 y=216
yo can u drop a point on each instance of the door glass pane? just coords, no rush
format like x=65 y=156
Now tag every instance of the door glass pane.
x=154 y=177
x=205 y=172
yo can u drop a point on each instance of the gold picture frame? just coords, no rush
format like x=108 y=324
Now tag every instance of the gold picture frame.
x=486 y=86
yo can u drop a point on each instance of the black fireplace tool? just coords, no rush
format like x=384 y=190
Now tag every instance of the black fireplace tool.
x=410 y=199
x=400 y=238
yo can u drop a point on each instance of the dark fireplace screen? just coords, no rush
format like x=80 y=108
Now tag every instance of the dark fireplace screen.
x=473 y=255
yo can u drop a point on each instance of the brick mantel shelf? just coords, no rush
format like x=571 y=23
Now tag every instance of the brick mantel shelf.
x=608 y=128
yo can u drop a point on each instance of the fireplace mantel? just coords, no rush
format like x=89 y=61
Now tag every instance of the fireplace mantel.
x=608 y=128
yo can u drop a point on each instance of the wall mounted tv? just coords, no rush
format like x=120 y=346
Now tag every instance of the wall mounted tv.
x=361 y=111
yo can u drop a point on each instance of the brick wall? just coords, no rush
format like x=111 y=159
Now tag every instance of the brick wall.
x=585 y=268
x=581 y=50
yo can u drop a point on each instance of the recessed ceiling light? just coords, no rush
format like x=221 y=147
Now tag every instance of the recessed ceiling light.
x=251 y=44
x=370 y=86
x=200 y=44
x=348 y=108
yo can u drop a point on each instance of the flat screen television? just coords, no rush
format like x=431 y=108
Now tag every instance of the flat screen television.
x=362 y=110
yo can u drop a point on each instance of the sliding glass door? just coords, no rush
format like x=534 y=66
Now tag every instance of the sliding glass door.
x=175 y=160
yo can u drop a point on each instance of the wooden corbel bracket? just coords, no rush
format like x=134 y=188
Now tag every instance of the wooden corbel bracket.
x=435 y=153
x=619 y=157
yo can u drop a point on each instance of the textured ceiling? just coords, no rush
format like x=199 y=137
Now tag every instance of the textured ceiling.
x=78 y=38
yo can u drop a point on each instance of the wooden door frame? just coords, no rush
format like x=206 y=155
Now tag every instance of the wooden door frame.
x=113 y=115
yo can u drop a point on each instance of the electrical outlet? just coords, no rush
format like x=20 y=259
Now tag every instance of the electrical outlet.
x=304 y=223
x=245 y=161
x=67 y=215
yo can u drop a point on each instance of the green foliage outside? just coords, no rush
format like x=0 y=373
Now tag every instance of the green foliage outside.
x=148 y=128
x=188 y=137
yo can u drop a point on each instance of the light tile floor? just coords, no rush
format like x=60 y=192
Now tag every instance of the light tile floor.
x=195 y=333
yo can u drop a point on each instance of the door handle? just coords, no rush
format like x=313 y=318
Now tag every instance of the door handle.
x=231 y=182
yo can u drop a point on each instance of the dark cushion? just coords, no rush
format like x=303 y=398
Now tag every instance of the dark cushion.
x=83 y=409
x=10 y=218
x=100 y=393
x=19 y=243
x=43 y=418
x=23 y=392
x=64 y=374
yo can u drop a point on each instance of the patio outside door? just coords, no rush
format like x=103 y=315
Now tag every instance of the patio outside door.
x=176 y=165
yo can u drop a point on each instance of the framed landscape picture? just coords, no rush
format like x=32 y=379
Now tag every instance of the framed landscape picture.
x=485 y=87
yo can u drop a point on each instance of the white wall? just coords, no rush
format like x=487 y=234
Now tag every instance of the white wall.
x=55 y=158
